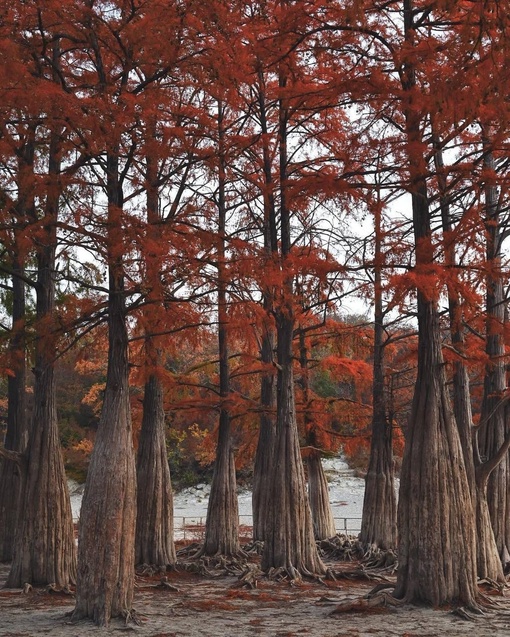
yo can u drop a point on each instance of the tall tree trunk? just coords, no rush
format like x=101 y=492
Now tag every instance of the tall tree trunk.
x=17 y=434
x=495 y=428
x=154 y=542
x=318 y=495
x=222 y=525
x=488 y=562
x=106 y=552
x=267 y=429
x=436 y=525
x=379 y=518
x=289 y=541
x=44 y=550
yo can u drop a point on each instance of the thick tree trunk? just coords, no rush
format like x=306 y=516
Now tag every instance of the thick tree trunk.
x=289 y=541
x=318 y=495
x=16 y=437
x=436 y=524
x=495 y=427
x=45 y=551
x=488 y=562
x=437 y=551
x=379 y=518
x=106 y=548
x=154 y=543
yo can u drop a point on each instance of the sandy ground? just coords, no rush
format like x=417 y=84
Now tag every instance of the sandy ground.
x=220 y=607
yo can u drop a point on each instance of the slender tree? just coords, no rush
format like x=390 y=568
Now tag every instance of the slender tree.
x=379 y=518
x=222 y=526
x=154 y=523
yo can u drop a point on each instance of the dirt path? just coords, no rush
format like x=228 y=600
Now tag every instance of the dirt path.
x=218 y=607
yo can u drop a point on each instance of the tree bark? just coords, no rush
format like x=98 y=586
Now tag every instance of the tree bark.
x=17 y=434
x=265 y=444
x=44 y=550
x=495 y=427
x=289 y=541
x=154 y=542
x=488 y=562
x=267 y=429
x=379 y=517
x=106 y=554
x=318 y=495
x=222 y=524
x=436 y=524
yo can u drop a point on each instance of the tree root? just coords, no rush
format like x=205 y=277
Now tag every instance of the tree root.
x=285 y=573
x=360 y=573
x=491 y=584
x=164 y=583
x=131 y=617
x=341 y=547
x=250 y=576
x=254 y=548
x=53 y=588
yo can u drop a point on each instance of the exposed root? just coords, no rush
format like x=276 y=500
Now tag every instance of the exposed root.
x=254 y=548
x=131 y=617
x=376 y=598
x=26 y=588
x=465 y=613
x=164 y=583
x=375 y=557
x=150 y=569
x=53 y=588
x=360 y=572
x=285 y=573
x=491 y=584
x=341 y=547
x=190 y=550
x=250 y=576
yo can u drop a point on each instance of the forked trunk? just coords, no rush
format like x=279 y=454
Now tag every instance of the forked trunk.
x=318 y=495
x=154 y=542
